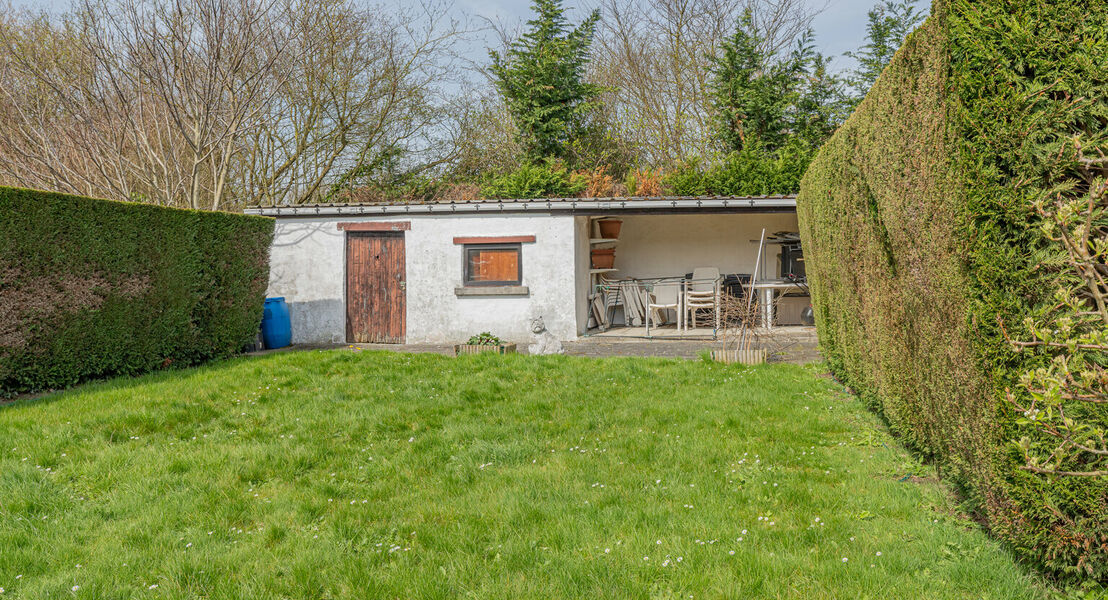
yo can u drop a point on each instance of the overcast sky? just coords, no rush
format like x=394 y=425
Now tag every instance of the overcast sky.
x=839 y=28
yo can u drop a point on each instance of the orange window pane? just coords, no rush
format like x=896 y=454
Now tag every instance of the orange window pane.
x=501 y=264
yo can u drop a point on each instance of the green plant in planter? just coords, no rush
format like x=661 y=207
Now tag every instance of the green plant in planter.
x=484 y=339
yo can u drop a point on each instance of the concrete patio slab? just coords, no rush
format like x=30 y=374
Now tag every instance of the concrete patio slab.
x=785 y=344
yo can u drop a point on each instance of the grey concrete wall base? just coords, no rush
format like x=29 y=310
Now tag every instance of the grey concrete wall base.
x=492 y=290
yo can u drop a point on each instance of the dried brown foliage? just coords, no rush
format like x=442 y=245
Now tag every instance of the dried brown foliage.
x=27 y=299
x=601 y=184
x=647 y=182
x=459 y=192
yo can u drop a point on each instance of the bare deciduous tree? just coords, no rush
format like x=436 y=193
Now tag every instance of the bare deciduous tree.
x=652 y=55
x=153 y=96
x=484 y=135
x=52 y=135
x=363 y=84
x=215 y=103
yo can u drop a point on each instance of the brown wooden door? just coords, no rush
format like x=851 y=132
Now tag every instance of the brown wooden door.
x=375 y=298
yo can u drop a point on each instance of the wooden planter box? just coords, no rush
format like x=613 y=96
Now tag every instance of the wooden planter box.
x=460 y=349
x=745 y=357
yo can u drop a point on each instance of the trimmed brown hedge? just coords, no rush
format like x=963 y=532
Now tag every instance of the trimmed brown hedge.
x=921 y=239
x=94 y=288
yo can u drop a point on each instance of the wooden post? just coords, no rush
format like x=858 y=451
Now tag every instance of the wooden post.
x=750 y=294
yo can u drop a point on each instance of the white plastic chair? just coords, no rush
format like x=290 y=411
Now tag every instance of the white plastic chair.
x=666 y=296
x=702 y=293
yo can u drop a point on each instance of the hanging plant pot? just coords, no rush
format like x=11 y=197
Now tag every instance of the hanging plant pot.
x=609 y=228
x=603 y=258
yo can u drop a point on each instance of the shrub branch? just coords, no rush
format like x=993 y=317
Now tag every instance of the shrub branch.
x=1073 y=333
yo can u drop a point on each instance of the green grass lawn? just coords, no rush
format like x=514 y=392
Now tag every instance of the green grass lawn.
x=348 y=474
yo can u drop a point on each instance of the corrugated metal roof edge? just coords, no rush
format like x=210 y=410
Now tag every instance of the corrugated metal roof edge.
x=661 y=203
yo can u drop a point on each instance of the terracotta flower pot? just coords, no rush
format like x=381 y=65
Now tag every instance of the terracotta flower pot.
x=603 y=258
x=609 y=228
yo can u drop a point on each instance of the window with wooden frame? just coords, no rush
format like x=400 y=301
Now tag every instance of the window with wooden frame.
x=492 y=264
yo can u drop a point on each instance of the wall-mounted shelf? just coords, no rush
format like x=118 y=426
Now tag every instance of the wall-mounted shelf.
x=598 y=309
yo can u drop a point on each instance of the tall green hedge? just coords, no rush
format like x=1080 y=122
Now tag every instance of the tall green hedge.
x=925 y=251
x=92 y=288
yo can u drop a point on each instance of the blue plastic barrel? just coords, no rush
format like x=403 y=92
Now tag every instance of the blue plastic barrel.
x=276 y=327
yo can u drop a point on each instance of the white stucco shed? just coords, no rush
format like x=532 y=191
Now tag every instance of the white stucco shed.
x=521 y=269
